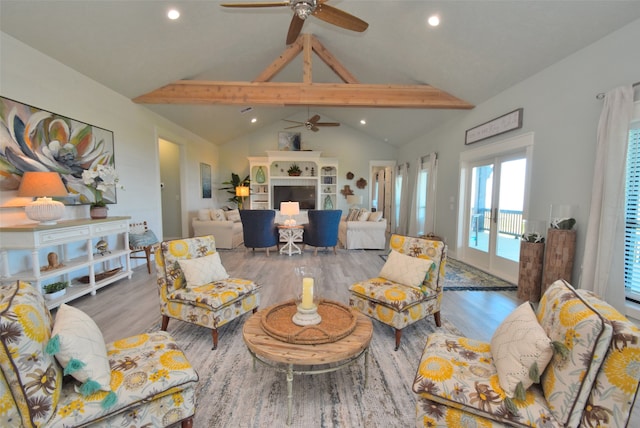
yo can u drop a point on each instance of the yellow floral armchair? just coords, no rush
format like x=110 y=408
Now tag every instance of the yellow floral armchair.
x=593 y=384
x=209 y=305
x=152 y=383
x=398 y=304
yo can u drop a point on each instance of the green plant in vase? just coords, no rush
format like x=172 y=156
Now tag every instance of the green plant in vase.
x=294 y=170
x=54 y=287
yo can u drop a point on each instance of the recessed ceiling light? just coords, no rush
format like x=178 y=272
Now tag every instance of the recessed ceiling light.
x=363 y=122
x=434 y=20
x=173 y=14
x=254 y=120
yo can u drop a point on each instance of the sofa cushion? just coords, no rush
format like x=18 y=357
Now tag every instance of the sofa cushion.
x=232 y=215
x=375 y=216
x=218 y=215
x=79 y=347
x=459 y=372
x=517 y=345
x=204 y=214
x=363 y=214
x=570 y=319
x=619 y=373
x=203 y=270
x=352 y=215
x=25 y=327
x=405 y=269
x=138 y=240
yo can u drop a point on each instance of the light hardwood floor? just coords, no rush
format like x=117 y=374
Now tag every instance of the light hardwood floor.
x=128 y=307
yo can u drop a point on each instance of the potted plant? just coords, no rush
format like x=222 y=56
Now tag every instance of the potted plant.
x=294 y=170
x=231 y=187
x=99 y=180
x=55 y=290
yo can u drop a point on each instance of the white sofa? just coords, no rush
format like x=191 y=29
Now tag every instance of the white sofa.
x=362 y=234
x=225 y=227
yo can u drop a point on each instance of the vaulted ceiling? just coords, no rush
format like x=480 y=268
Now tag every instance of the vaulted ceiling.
x=480 y=49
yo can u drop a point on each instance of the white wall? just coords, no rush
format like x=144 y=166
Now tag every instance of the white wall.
x=561 y=109
x=351 y=147
x=30 y=77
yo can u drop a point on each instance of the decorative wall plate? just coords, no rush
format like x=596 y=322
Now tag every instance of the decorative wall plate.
x=350 y=175
x=361 y=183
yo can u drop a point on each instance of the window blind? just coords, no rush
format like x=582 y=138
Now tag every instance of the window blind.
x=632 y=218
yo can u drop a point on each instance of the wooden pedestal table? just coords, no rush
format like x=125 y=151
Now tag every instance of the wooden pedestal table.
x=296 y=359
x=558 y=256
x=530 y=270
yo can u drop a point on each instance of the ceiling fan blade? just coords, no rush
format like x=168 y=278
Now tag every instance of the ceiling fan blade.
x=327 y=124
x=294 y=29
x=314 y=119
x=295 y=126
x=340 y=18
x=314 y=128
x=257 y=4
x=293 y=121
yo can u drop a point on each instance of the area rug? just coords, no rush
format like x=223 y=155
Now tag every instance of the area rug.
x=461 y=276
x=231 y=393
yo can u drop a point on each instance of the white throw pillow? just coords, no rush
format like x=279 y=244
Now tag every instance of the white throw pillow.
x=203 y=270
x=218 y=215
x=78 y=345
x=405 y=269
x=375 y=216
x=233 y=215
x=363 y=215
x=204 y=215
x=517 y=344
x=353 y=214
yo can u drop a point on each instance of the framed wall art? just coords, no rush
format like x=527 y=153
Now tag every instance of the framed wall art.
x=205 y=180
x=500 y=125
x=32 y=139
x=289 y=141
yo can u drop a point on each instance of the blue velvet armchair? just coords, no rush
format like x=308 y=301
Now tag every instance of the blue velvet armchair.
x=322 y=229
x=259 y=229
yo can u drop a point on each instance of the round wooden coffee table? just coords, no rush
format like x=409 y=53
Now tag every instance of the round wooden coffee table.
x=295 y=359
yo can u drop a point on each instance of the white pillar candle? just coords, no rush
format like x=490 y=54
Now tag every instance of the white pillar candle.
x=307 y=293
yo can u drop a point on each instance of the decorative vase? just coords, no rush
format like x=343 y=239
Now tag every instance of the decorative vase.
x=98 y=212
x=260 y=177
x=328 y=203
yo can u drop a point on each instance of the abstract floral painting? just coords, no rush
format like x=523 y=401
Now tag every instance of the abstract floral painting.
x=32 y=139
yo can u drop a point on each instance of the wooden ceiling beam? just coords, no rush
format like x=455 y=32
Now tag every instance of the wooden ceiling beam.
x=264 y=92
x=314 y=94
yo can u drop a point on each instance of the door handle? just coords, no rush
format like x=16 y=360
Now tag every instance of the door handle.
x=495 y=216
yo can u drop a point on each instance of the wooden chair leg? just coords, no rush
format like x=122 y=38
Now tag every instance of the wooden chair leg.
x=436 y=317
x=165 y=323
x=334 y=250
x=267 y=252
x=187 y=423
x=147 y=253
x=214 y=336
x=315 y=251
x=398 y=337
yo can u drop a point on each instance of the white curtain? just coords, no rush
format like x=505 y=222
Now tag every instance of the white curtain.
x=402 y=199
x=425 y=225
x=602 y=270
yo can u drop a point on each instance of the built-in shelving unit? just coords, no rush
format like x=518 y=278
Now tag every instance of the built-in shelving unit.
x=319 y=172
x=25 y=250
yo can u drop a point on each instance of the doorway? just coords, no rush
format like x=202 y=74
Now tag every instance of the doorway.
x=381 y=197
x=494 y=188
x=170 y=185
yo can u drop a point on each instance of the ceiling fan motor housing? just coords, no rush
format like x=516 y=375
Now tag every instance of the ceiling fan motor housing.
x=303 y=8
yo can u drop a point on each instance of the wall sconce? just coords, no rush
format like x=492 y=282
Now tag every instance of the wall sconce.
x=242 y=192
x=290 y=209
x=43 y=185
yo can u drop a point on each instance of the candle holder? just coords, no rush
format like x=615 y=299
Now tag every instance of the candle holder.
x=307 y=301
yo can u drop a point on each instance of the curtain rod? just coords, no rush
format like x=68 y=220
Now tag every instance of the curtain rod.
x=601 y=94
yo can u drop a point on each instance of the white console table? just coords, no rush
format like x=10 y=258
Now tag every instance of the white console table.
x=24 y=253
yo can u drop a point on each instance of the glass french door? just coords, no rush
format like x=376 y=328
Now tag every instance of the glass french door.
x=495 y=205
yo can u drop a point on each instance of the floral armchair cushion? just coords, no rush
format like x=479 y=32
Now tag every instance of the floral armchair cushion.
x=25 y=329
x=436 y=251
x=570 y=319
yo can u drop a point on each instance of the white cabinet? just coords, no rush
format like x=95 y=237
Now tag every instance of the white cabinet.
x=25 y=252
x=318 y=173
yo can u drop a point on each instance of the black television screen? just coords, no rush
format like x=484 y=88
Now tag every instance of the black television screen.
x=304 y=195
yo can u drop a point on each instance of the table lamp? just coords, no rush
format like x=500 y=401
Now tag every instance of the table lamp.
x=290 y=209
x=354 y=200
x=43 y=185
x=242 y=192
